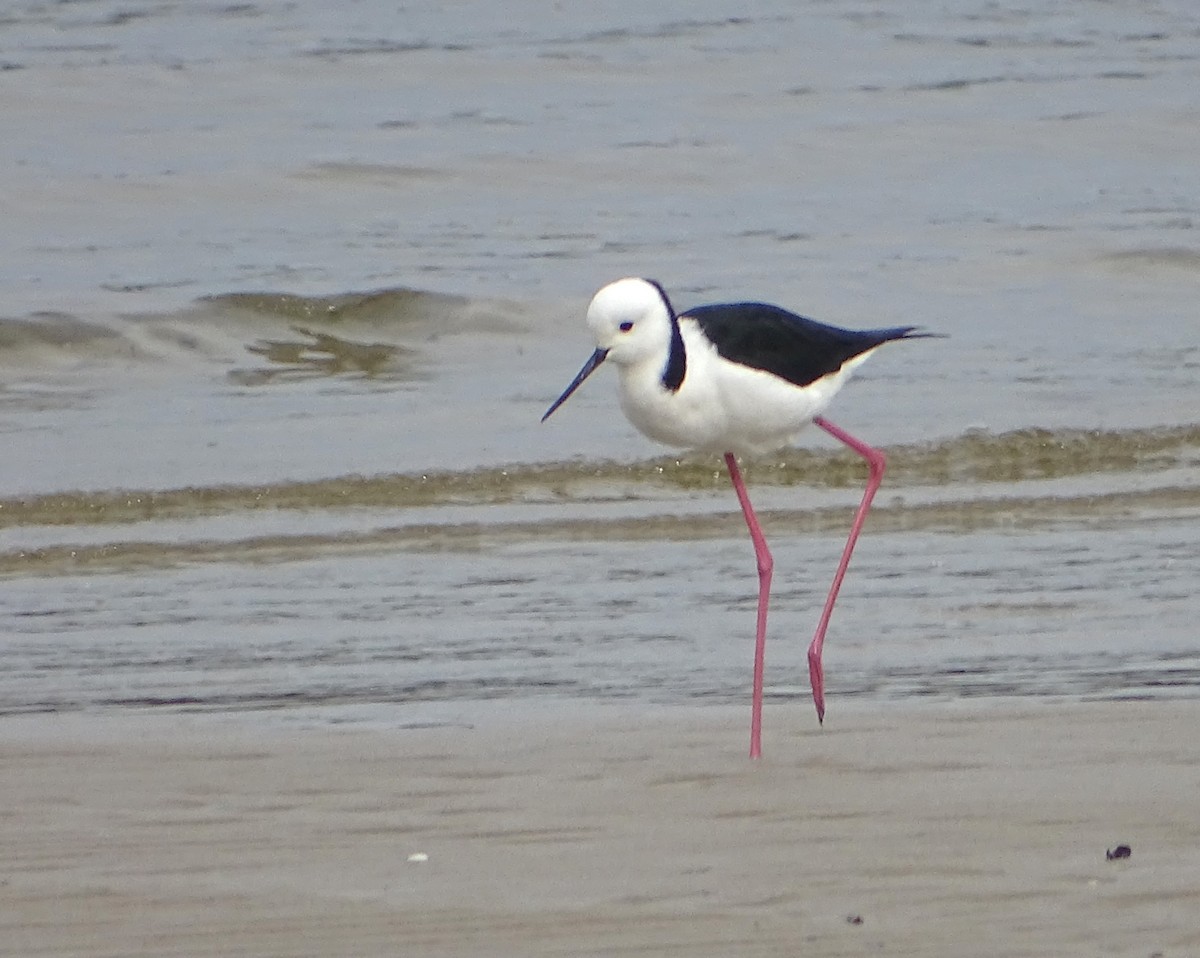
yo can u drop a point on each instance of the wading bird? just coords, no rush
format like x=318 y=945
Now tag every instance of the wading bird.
x=739 y=379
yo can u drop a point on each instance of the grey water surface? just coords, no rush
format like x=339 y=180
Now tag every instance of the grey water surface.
x=285 y=288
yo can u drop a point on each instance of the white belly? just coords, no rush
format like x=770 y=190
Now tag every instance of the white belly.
x=723 y=407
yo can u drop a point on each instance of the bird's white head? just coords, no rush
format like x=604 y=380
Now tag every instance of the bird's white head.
x=632 y=323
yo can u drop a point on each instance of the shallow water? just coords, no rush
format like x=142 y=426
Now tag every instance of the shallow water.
x=1079 y=606
x=284 y=292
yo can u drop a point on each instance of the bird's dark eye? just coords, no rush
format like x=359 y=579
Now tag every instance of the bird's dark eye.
x=626 y=327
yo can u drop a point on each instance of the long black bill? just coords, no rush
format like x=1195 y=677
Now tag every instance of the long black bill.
x=588 y=368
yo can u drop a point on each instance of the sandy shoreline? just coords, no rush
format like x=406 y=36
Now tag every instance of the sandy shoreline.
x=948 y=830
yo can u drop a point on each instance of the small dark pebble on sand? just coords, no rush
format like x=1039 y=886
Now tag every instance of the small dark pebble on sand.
x=854 y=919
x=1121 y=851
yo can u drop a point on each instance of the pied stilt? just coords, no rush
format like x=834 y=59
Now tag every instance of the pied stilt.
x=738 y=379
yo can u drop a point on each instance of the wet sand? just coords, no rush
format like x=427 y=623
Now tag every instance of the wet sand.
x=898 y=830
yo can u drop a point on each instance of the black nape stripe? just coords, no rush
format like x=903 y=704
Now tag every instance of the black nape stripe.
x=676 y=368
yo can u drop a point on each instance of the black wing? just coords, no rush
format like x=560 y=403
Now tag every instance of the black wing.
x=792 y=347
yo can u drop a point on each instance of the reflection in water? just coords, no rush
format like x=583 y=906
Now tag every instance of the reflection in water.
x=323 y=354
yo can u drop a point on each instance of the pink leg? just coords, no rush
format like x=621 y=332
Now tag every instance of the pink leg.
x=765 y=564
x=875 y=465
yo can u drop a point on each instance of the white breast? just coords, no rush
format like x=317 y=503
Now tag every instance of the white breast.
x=722 y=406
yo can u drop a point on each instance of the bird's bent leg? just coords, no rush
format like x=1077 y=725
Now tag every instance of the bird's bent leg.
x=875 y=464
x=766 y=564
